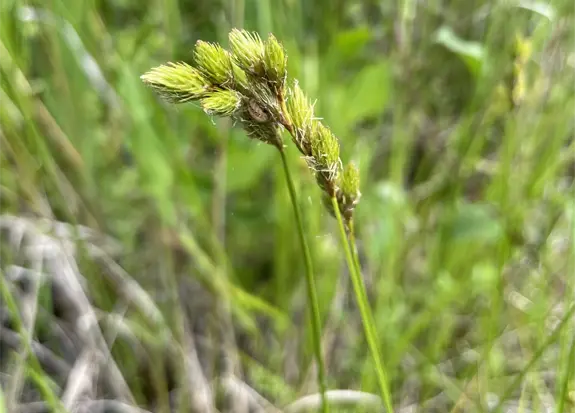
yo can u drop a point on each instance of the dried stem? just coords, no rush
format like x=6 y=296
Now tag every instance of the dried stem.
x=35 y=370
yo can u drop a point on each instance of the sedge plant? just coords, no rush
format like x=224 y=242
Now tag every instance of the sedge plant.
x=249 y=84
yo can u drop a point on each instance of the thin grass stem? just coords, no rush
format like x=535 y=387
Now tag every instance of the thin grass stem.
x=365 y=312
x=311 y=290
x=353 y=245
x=564 y=395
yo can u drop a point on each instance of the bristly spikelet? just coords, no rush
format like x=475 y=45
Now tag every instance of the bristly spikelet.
x=213 y=62
x=240 y=79
x=222 y=102
x=350 y=181
x=176 y=82
x=275 y=62
x=349 y=188
x=325 y=151
x=265 y=132
x=299 y=108
x=347 y=192
x=300 y=112
x=266 y=98
x=248 y=51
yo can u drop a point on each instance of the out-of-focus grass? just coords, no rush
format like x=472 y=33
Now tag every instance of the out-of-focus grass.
x=460 y=115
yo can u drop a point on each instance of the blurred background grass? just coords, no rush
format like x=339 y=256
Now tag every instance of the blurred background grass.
x=460 y=115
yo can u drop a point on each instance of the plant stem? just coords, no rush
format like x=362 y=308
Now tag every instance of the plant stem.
x=353 y=245
x=311 y=290
x=365 y=311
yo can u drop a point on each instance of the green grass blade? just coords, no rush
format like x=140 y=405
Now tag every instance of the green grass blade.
x=366 y=315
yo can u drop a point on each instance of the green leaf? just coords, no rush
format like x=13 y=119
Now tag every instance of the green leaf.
x=389 y=205
x=484 y=276
x=350 y=43
x=472 y=53
x=332 y=104
x=367 y=95
x=156 y=173
x=345 y=50
x=474 y=223
x=246 y=163
x=254 y=303
x=539 y=7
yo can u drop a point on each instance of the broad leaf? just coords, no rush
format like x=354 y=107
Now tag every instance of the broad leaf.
x=472 y=53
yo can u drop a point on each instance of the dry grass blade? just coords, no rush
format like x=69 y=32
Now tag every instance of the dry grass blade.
x=53 y=364
x=28 y=306
x=201 y=391
x=55 y=257
x=81 y=379
x=132 y=290
x=252 y=400
x=338 y=398
x=89 y=406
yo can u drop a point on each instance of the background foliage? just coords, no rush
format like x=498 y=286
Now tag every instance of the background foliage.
x=174 y=232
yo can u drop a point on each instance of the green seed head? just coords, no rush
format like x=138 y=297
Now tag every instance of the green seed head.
x=350 y=182
x=275 y=62
x=325 y=151
x=222 y=102
x=265 y=132
x=240 y=78
x=213 y=62
x=300 y=112
x=176 y=82
x=348 y=193
x=248 y=50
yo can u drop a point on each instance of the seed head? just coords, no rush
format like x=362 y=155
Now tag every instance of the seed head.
x=176 y=82
x=248 y=50
x=265 y=132
x=275 y=62
x=350 y=182
x=213 y=62
x=348 y=193
x=325 y=151
x=221 y=102
x=299 y=108
x=300 y=113
x=240 y=78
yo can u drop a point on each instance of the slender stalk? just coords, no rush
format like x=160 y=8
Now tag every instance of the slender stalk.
x=365 y=311
x=353 y=245
x=311 y=290
x=568 y=373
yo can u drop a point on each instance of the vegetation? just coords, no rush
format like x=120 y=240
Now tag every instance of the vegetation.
x=150 y=254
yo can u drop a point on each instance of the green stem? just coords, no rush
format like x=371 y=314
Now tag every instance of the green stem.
x=311 y=290
x=568 y=373
x=365 y=311
x=353 y=245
